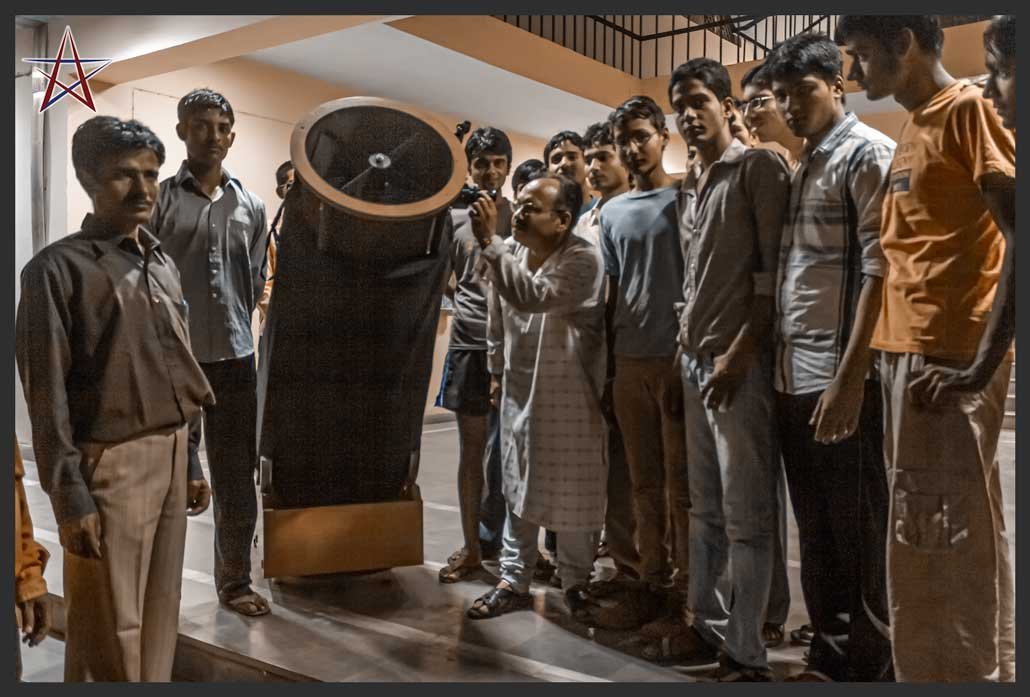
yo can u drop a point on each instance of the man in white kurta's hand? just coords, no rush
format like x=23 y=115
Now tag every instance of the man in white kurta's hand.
x=545 y=343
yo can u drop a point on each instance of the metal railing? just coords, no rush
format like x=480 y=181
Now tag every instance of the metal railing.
x=622 y=42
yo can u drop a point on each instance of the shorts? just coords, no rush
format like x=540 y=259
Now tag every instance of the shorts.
x=465 y=386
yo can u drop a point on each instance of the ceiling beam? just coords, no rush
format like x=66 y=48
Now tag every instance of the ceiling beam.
x=231 y=44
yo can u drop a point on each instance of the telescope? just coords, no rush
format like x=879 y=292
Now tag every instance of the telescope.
x=350 y=332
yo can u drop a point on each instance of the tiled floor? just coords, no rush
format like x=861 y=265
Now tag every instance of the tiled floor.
x=402 y=625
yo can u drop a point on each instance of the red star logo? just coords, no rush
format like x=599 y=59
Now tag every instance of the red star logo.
x=52 y=78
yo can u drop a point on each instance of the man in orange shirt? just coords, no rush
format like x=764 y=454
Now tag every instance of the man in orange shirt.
x=945 y=331
x=32 y=607
x=283 y=181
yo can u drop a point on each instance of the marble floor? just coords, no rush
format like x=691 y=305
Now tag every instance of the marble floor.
x=402 y=624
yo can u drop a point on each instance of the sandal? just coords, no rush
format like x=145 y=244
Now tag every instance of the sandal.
x=497 y=602
x=459 y=570
x=772 y=635
x=248 y=604
x=683 y=645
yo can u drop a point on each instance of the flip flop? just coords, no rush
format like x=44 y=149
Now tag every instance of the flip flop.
x=456 y=571
x=248 y=604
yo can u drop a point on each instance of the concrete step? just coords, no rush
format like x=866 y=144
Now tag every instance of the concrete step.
x=1010 y=421
x=1010 y=403
x=197 y=661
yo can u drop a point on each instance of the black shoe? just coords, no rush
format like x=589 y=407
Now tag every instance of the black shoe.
x=544 y=569
x=802 y=636
x=577 y=601
x=731 y=671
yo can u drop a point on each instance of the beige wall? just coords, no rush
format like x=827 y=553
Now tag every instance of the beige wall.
x=267 y=103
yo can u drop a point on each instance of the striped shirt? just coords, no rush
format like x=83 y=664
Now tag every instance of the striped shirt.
x=831 y=238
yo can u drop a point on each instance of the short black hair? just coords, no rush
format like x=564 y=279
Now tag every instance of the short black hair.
x=281 y=171
x=559 y=138
x=805 y=54
x=598 y=135
x=712 y=74
x=1000 y=38
x=524 y=171
x=570 y=194
x=638 y=107
x=104 y=136
x=202 y=99
x=757 y=76
x=487 y=140
x=887 y=30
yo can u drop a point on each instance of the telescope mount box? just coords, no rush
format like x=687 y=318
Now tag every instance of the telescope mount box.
x=342 y=538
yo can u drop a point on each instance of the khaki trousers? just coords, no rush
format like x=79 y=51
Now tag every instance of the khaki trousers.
x=949 y=576
x=647 y=397
x=123 y=610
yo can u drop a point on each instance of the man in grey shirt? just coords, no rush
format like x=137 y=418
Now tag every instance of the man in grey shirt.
x=216 y=232
x=731 y=210
x=465 y=388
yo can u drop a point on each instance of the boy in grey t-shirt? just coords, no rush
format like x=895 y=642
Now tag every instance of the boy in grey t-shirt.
x=639 y=241
x=465 y=388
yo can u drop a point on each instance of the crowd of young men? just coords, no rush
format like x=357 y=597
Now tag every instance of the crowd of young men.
x=642 y=362
x=841 y=317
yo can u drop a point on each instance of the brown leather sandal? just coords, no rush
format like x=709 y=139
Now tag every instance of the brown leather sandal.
x=497 y=602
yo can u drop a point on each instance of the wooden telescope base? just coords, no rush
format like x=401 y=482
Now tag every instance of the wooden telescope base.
x=349 y=537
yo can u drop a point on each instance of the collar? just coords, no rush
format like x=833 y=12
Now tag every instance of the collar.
x=591 y=216
x=184 y=174
x=94 y=231
x=733 y=153
x=836 y=135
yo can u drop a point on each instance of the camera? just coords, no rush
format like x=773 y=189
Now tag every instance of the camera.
x=469 y=194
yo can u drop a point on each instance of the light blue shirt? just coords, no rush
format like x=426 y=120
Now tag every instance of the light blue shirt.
x=639 y=240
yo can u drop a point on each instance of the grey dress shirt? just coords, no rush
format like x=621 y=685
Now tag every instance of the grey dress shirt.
x=219 y=246
x=730 y=233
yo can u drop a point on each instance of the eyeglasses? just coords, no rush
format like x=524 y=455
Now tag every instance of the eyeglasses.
x=755 y=104
x=638 y=139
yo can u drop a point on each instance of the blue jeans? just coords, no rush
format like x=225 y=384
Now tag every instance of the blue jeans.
x=734 y=465
x=493 y=507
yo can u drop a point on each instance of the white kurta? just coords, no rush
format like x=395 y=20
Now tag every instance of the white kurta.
x=546 y=335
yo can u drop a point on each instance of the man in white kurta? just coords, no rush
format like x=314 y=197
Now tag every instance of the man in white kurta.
x=546 y=345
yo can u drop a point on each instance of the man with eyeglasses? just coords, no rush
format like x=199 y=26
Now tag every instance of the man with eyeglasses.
x=763 y=117
x=640 y=244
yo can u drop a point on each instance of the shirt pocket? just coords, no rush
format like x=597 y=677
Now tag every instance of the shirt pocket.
x=238 y=234
x=931 y=511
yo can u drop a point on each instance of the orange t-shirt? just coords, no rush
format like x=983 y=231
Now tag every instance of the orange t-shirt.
x=940 y=239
